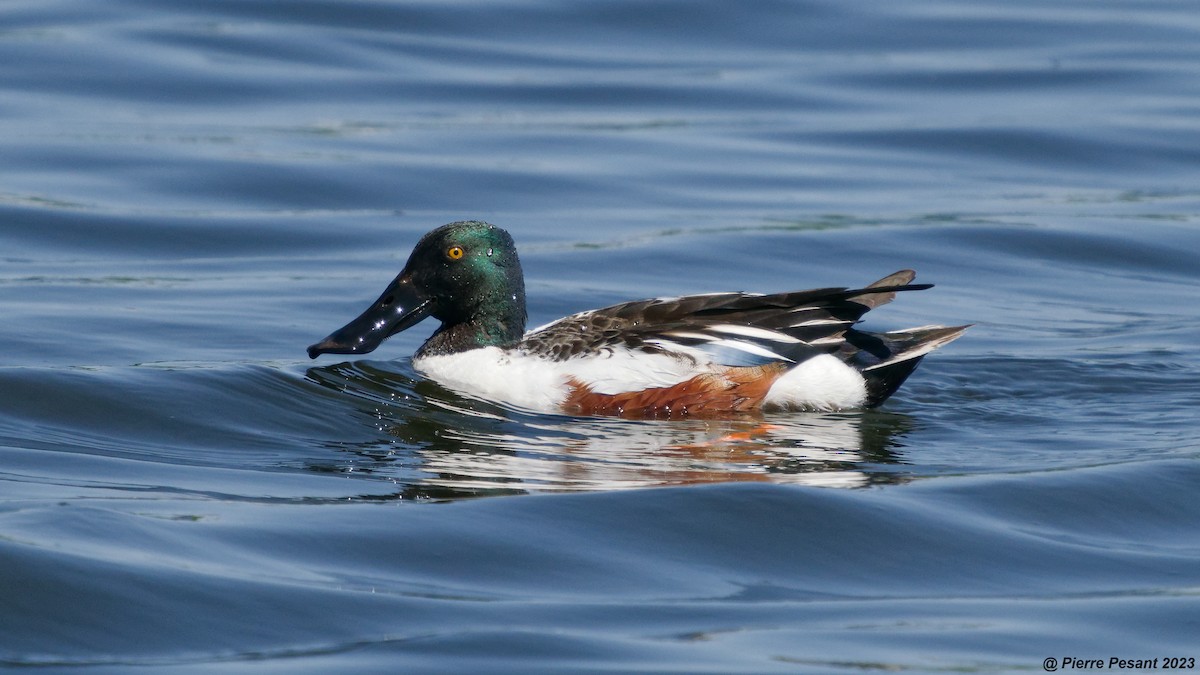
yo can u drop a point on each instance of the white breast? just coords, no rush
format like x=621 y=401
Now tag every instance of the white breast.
x=496 y=375
x=541 y=384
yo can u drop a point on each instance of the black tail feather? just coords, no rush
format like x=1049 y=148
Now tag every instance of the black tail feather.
x=883 y=381
x=887 y=359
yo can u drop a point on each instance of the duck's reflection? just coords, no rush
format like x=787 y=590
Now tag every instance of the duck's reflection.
x=435 y=444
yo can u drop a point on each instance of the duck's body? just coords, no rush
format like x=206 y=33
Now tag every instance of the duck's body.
x=705 y=355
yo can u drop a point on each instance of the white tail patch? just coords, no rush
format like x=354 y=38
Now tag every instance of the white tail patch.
x=821 y=383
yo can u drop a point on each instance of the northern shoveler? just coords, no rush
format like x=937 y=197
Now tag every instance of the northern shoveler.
x=707 y=355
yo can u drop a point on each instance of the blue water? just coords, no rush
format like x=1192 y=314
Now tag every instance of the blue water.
x=191 y=193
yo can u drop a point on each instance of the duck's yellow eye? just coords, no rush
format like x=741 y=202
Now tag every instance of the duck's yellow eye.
x=455 y=253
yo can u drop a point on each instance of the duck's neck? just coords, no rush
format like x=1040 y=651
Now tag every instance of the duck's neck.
x=503 y=326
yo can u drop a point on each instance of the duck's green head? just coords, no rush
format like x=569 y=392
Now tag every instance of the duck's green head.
x=465 y=274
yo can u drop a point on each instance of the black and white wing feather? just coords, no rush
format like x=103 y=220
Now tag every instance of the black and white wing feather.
x=735 y=329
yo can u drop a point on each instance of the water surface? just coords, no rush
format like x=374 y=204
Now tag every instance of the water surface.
x=191 y=195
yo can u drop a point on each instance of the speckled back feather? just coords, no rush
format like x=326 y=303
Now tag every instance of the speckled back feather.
x=737 y=329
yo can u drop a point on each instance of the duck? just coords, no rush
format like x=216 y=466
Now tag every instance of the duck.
x=708 y=355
